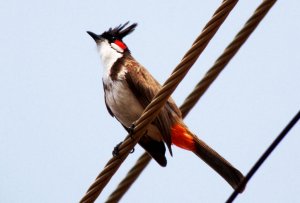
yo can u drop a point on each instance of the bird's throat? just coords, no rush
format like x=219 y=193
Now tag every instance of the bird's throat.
x=108 y=56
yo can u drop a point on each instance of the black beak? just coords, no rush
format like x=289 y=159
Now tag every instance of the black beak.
x=94 y=36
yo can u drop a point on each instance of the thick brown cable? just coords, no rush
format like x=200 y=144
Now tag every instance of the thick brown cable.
x=197 y=93
x=159 y=100
x=227 y=55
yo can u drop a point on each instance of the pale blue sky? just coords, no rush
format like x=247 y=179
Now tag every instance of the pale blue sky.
x=56 y=134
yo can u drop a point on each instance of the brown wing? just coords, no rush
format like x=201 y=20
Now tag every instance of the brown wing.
x=145 y=87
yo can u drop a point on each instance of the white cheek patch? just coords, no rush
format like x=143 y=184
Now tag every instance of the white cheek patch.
x=116 y=47
x=108 y=56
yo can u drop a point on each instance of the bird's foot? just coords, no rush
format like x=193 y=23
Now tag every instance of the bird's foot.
x=131 y=130
x=116 y=151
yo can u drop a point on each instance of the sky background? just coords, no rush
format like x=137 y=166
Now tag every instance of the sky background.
x=56 y=134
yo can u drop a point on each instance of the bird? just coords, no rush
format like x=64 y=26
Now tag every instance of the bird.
x=129 y=88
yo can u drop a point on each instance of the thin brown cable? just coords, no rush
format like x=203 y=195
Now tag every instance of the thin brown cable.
x=198 y=92
x=159 y=100
x=130 y=178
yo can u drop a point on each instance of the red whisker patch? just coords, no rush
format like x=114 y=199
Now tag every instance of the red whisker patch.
x=120 y=44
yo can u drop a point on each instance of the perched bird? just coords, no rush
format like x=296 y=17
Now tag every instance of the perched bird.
x=129 y=88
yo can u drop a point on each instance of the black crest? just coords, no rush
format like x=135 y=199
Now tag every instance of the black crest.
x=119 y=32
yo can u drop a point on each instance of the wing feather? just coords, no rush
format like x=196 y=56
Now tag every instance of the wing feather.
x=145 y=87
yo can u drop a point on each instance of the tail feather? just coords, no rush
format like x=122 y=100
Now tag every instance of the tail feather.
x=233 y=176
x=156 y=149
x=183 y=138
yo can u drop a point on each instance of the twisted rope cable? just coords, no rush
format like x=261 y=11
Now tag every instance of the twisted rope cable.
x=228 y=53
x=130 y=178
x=159 y=100
x=198 y=92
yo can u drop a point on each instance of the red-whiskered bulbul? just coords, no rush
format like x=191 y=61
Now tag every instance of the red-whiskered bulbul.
x=129 y=88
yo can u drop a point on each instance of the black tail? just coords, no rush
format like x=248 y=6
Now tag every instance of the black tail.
x=156 y=149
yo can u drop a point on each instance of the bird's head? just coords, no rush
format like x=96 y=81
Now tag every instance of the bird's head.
x=113 y=38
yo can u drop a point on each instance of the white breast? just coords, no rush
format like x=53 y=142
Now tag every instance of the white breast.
x=119 y=98
x=122 y=102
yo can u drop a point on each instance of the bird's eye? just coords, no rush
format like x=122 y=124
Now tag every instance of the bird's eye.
x=112 y=39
